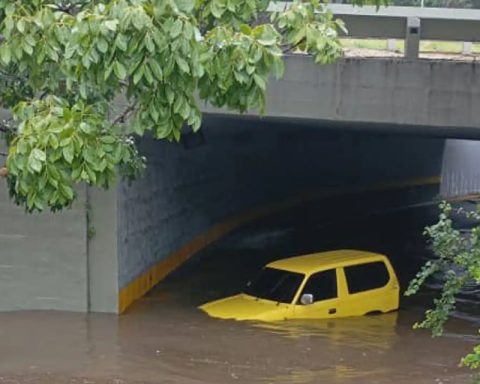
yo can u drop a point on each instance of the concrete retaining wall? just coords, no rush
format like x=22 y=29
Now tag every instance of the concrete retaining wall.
x=43 y=257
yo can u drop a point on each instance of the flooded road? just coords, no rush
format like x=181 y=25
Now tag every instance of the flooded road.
x=163 y=338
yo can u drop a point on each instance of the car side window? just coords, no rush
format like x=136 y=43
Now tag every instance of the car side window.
x=364 y=277
x=322 y=285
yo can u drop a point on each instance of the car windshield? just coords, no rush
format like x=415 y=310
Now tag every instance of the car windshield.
x=275 y=284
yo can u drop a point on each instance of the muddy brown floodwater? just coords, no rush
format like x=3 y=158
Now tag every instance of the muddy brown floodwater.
x=163 y=338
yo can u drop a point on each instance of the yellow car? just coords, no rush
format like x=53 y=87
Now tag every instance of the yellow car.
x=322 y=285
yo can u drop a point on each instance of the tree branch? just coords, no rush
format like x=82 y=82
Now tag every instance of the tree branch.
x=291 y=47
x=125 y=114
x=71 y=8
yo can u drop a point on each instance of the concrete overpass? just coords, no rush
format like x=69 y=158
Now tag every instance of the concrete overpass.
x=357 y=125
x=434 y=98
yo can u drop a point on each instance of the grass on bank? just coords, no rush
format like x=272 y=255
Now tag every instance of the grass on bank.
x=425 y=46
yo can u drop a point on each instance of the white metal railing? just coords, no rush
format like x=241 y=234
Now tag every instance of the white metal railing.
x=411 y=24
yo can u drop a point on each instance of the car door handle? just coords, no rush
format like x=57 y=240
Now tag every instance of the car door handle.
x=331 y=311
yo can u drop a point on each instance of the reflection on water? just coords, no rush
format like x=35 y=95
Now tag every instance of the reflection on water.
x=373 y=332
x=334 y=374
x=164 y=339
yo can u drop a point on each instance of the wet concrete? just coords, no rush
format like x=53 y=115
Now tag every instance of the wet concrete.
x=163 y=338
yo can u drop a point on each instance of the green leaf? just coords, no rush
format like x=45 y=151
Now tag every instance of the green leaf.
x=35 y=165
x=260 y=82
x=186 y=6
x=176 y=29
x=119 y=70
x=68 y=153
x=21 y=26
x=39 y=155
x=53 y=141
x=217 y=9
x=139 y=21
x=102 y=45
x=111 y=25
x=148 y=74
x=268 y=36
x=149 y=44
x=108 y=139
x=121 y=42
x=86 y=128
x=278 y=68
x=178 y=104
x=138 y=75
x=5 y=54
x=9 y=23
x=10 y=8
x=245 y=29
x=66 y=191
x=183 y=65
x=156 y=69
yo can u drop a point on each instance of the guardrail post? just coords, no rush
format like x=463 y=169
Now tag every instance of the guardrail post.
x=392 y=45
x=467 y=48
x=412 y=38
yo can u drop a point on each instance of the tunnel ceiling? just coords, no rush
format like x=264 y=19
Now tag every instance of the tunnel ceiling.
x=369 y=128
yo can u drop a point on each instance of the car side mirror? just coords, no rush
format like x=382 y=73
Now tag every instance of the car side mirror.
x=306 y=299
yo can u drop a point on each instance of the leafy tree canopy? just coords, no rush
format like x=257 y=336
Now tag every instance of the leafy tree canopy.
x=64 y=63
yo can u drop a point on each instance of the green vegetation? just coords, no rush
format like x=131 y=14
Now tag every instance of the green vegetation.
x=65 y=64
x=458 y=260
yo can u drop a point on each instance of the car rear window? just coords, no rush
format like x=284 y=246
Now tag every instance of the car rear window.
x=364 y=277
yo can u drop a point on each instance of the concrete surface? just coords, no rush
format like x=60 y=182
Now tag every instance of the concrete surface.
x=427 y=97
x=102 y=250
x=43 y=257
x=460 y=171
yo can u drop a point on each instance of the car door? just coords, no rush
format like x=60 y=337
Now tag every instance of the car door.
x=324 y=288
x=371 y=288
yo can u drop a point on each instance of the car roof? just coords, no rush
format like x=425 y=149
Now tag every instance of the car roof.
x=324 y=260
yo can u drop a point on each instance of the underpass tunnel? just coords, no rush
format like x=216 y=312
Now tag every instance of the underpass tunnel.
x=363 y=135
x=241 y=171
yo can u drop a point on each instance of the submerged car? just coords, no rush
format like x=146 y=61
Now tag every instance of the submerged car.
x=317 y=286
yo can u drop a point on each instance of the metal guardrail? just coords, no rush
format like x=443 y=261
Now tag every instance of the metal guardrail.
x=409 y=23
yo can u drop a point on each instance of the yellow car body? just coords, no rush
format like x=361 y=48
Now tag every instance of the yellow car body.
x=323 y=285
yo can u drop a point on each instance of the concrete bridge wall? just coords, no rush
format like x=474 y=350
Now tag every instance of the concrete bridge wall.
x=432 y=97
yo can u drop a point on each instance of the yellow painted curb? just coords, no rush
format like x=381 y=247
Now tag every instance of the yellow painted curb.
x=142 y=284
